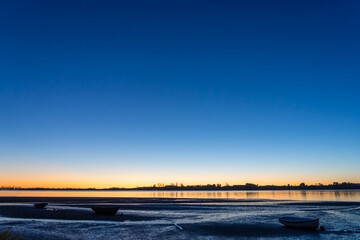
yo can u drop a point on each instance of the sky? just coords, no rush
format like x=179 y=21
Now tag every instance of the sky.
x=134 y=93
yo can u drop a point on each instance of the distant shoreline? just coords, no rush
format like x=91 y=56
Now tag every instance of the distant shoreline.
x=209 y=187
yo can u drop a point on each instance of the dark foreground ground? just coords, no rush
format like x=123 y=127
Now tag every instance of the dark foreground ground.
x=162 y=218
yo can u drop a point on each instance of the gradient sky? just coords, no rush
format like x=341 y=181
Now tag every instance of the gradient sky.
x=132 y=93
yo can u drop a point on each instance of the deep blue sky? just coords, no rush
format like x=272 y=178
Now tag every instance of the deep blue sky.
x=187 y=91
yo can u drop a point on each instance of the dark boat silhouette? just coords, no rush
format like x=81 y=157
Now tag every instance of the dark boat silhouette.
x=299 y=222
x=40 y=205
x=105 y=210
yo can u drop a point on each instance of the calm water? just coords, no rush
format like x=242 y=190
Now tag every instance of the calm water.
x=225 y=220
x=324 y=195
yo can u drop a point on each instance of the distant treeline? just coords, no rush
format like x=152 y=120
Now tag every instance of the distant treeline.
x=209 y=187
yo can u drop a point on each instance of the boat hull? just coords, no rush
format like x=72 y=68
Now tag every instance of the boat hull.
x=300 y=222
x=105 y=210
x=40 y=205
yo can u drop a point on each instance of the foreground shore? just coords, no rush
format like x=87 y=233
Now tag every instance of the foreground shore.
x=172 y=218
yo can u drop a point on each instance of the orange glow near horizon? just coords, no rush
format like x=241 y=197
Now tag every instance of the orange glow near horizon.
x=55 y=177
x=87 y=183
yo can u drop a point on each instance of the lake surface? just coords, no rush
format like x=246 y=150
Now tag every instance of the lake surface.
x=310 y=195
x=211 y=215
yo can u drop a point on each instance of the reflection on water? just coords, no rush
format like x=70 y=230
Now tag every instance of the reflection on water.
x=324 y=195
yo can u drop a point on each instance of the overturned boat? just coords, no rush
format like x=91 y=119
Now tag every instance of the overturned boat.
x=40 y=205
x=105 y=210
x=299 y=222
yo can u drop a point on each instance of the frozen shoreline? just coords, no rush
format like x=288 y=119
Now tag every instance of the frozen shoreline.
x=154 y=218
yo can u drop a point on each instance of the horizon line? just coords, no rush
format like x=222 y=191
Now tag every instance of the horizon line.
x=182 y=186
